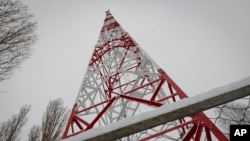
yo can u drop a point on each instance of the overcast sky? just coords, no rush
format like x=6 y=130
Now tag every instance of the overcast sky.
x=200 y=44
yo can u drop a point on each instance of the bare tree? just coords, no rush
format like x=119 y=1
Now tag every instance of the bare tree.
x=35 y=133
x=10 y=130
x=234 y=113
x=16 y=36
x=53 y=123
x=53 y=120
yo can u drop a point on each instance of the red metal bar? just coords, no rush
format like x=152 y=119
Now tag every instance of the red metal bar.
x=72 y=128
x=169 y=80
x=148 y=102
x=94 y=106
x=70 y=120
x=165 y=98
x=124 y=84
x=78 y=124
x=166 y=131
x=171 y=91
x=108 y=18
x=91 y=125
x=182 y=120
x=96 y=56
x=208 y=134
x=213 y=128
x=142 y=81
x=108 y=94
x=81 y=120
x=110 y=26
x=123 y=58
x=157 y=90
x=198 y=132
x=191 y=133
x=128 y=92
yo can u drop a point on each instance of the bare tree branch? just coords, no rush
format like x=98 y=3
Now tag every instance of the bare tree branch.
x=10 y=130
x=35 y=133
x=233 y=113
x=16 y=36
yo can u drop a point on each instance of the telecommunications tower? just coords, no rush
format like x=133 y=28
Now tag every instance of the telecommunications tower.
x=123 y=81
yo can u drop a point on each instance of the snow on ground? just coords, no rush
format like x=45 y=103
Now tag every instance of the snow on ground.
x=164 y=109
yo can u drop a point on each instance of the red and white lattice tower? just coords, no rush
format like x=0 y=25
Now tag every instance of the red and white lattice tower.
x=123 y=81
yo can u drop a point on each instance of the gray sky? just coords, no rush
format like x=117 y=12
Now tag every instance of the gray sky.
x=200 y=44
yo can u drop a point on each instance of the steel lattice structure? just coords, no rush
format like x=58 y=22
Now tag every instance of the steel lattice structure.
x=122 y=81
